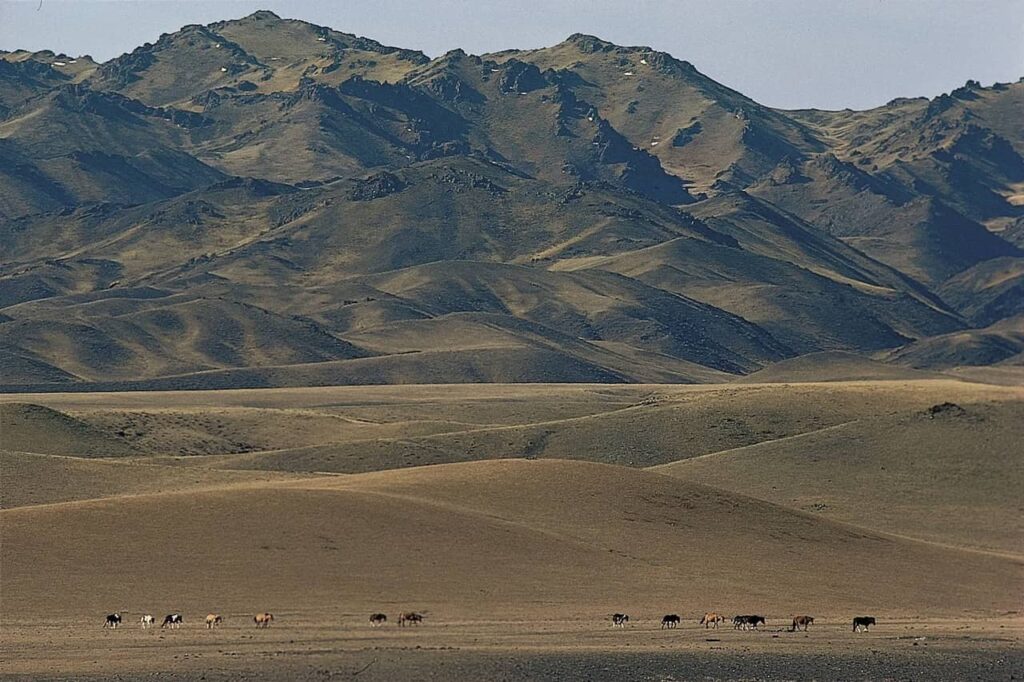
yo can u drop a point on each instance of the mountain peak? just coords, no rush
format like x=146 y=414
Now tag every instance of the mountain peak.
x=588 y=43
x=262 y=15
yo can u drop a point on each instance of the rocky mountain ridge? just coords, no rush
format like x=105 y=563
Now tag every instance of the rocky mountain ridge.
x=268 y=202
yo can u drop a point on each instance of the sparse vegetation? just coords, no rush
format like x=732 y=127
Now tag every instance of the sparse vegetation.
x=294 y=320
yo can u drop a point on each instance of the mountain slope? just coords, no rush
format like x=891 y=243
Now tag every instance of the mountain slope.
x=253 y=200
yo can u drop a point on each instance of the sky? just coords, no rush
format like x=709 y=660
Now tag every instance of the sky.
x=826 y=54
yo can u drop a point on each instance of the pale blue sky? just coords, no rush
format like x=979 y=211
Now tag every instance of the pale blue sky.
x=785 y=53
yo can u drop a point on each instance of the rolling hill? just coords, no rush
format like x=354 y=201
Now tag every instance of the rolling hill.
x=540 y=514
x=897 y=473
x=461 y=539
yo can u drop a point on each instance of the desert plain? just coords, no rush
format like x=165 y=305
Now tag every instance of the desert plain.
x=517 y=519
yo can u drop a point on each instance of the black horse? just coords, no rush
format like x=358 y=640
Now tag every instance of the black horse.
x=746 y=622
x=862 y=622
x=172 y=620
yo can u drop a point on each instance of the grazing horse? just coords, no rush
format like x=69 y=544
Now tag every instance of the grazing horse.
x=862 y=622
x=213 y=620
x=801 y=621
x=747 y=622
x=147 y=621
x=711 y=619
x=670 y=621
x=113 y=620
x=411 y=617
x=173 y=621
x=378 y=619
x=262 y=620
x=619 y=620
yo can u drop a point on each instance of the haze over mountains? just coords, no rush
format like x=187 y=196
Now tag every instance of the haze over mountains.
x=265 y=202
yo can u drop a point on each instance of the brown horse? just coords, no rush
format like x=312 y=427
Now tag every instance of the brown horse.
x=263 y=620
x=801 y=622
x=410 y=617
x=378 y=619
x=213 y=620
x=711 y=620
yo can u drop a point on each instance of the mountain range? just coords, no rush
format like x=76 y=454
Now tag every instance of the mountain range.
x=267 y=202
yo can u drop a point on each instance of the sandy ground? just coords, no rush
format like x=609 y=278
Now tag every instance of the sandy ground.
x=829 y=499
x=303 y=647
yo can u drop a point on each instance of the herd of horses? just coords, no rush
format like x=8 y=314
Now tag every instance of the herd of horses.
x=670 y=621
x=711 y=619
x=173 y=621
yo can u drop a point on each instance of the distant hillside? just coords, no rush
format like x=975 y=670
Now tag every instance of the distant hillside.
x=266 y=202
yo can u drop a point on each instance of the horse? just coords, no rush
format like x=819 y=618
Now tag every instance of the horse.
x=213 y=620
x=747 y=622
x=862 y=622
x=670 y=621
x=711 y=619
x=263 y=620
x=173 y=621
x=801 y=621
x=619 y=620
x=147 y=621
x=378 y=619
x=113 y=620
x=410 y=617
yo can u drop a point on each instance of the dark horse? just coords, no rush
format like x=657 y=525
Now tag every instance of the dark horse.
x=410 y=617
x=172 y=620
x=747 y=622
x=862 y=622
